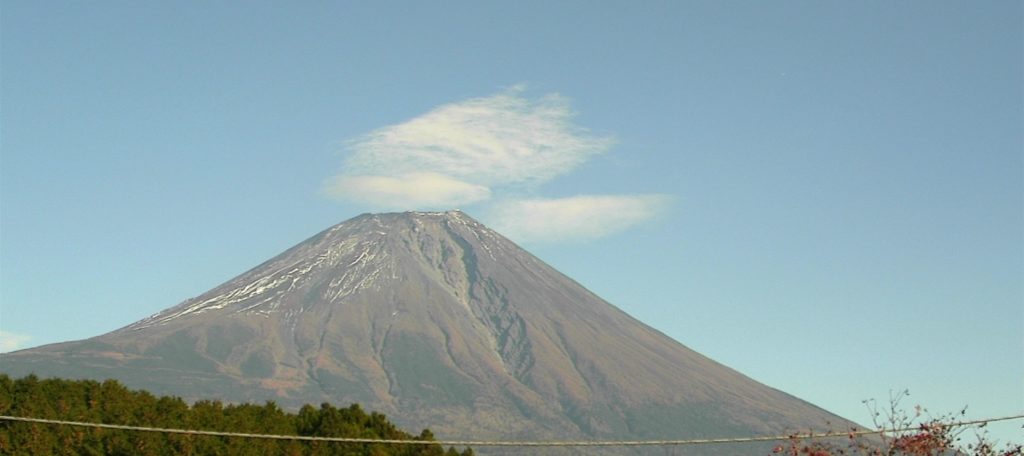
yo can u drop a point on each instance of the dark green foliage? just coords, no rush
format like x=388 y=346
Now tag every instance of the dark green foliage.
x=111 y=403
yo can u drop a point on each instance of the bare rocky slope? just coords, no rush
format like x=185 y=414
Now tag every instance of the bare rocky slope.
x=439 y=322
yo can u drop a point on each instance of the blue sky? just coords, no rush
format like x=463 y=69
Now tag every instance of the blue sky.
x=826 y=196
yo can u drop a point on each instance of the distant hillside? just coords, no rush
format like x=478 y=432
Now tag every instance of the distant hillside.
x=111 y=403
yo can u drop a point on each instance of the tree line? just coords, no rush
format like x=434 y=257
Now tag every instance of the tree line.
x=112 y=403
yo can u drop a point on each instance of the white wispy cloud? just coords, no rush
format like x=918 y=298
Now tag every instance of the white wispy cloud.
x=422 y=190
x=479 y=151
x=584 y=217
x=10 y=341
x=469 y=146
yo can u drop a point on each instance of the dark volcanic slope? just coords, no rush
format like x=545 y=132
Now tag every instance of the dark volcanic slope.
x=438 y=322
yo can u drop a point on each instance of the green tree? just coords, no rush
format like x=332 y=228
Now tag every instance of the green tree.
x=112 y=403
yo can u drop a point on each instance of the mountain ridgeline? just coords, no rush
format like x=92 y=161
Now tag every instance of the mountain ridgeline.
x=436 y=321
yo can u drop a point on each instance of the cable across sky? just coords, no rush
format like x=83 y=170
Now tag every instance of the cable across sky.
x=502 y=443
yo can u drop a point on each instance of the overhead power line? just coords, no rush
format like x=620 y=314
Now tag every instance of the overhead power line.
x=499 y=443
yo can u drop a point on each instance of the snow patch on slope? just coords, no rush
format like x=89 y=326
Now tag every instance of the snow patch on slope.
x=361 y=263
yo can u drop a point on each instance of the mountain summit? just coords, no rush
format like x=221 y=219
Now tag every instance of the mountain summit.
x=439 y=322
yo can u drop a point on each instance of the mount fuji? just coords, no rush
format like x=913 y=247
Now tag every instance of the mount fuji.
x=437 y=321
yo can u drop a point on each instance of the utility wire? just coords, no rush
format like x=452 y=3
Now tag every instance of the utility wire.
x=499 y=443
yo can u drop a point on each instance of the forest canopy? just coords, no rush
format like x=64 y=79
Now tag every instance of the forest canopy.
x=111 y=403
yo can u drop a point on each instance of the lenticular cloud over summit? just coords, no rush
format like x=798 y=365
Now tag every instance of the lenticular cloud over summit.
x=497 y=140
x=414 y=189
x=456 y=153
x=577 y=218
x=471 y=151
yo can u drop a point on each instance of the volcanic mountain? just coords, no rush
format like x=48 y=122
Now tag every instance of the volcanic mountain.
x=436 y=321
